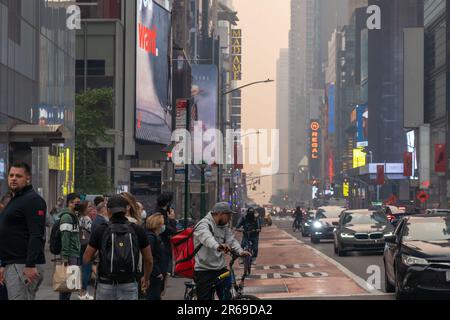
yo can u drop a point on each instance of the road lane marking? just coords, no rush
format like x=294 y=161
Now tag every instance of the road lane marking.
x=358 y=280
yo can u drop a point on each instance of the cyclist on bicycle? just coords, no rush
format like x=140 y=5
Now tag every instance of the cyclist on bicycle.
x=298 y=218
x=251 y=225
x=214 y=238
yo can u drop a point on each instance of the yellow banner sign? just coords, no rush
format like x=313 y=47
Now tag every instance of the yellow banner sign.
x=359 y=158
x=236 y=54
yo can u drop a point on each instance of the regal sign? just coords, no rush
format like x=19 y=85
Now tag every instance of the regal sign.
x=315 y=140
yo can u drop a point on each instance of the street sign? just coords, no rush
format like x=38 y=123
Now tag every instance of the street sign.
x=179 y=171
x=423 y=196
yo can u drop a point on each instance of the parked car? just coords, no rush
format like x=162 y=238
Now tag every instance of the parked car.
x=361 y=230
x=438 y=211
x=325 y=221
x=417 y=256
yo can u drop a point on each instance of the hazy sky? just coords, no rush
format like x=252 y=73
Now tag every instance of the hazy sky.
x=265 y=26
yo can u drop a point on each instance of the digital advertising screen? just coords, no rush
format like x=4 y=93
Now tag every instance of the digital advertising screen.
x=153 y=113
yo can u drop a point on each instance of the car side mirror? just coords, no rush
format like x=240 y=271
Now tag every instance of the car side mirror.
x=335 y=223
x=391 y=239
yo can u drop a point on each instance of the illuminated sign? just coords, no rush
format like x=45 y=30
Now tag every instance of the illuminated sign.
x=359 y=158
x=315 y=140
x=362 y=119
x=236 y=54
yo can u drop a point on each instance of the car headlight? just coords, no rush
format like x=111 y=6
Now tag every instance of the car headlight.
x=307 y=224
x=317 y=225
x=411 y=261
x=347 y=235
x=389 y=234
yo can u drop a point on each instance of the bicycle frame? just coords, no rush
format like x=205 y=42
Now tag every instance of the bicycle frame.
x=236 y=290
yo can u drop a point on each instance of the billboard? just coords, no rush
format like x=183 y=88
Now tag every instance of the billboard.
x=205 y=92
x=359 y=158
x=440 y=158
x=331 y=108
x=364 y=55
x=362 y=123
x=205 y=96
x=153 y=113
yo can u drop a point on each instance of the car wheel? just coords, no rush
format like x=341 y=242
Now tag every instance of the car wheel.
x=388 y=287
x=315 y=240
x=399 y=293
x=341 y=252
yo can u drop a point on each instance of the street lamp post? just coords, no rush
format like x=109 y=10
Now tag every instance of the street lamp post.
x=186 y=170
x=203 y=191
x=247 y=85
x=230 y=92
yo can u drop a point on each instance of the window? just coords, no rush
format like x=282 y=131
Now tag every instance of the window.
x=14 y=27
x=94 y=67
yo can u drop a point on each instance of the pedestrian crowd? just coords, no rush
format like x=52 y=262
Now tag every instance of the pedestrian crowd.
x=110 y=242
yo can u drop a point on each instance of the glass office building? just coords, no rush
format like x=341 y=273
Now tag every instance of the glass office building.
x=37 y=93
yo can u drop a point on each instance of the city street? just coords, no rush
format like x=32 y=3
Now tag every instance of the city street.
x=357 y=263
x=156 y=116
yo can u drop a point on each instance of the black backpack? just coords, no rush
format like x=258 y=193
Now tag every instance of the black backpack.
x=56 y=235
x=119 y=254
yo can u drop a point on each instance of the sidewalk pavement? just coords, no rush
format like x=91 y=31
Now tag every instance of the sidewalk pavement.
x=286 y=269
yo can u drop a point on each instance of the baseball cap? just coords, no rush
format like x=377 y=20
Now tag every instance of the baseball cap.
x=117 y=204
x=222 y=207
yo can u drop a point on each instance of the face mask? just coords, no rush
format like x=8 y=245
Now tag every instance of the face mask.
x=163 y=228
x=144 y=214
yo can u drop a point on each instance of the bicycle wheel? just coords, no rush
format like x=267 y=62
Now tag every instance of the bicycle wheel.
x=247 y=297
x=190 y=296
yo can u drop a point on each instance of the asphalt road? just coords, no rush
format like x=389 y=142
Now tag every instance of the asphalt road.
x=366 y=266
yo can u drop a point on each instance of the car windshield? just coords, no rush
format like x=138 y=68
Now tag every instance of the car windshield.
x=395 y=210
x=364 y=218
x=427 y=230
x=332 y=213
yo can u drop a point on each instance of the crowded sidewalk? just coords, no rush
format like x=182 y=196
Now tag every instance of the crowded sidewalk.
x=285 y=269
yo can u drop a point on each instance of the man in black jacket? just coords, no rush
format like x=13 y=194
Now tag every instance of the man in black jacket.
x=164 y=207
x=22 y=236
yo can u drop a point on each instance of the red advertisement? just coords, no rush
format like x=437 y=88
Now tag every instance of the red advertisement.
x=440 y=158
x=408 y=164
x=380 y=175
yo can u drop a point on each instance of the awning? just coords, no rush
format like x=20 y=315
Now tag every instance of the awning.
x=37 y=135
